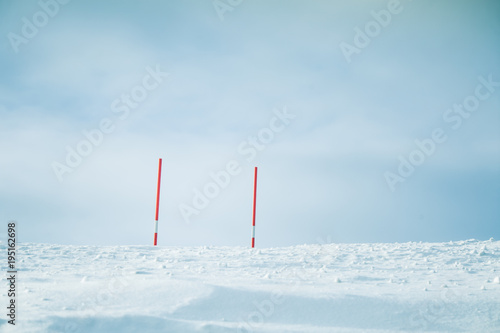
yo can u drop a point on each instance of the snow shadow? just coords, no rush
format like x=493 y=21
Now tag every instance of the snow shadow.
x=233 y=310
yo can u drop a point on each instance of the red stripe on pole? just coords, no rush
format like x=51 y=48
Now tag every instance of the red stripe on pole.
x=158 y=191
x=157 y=202
x=254 y=206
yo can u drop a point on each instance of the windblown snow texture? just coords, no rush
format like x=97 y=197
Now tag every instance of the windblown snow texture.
x=408 y=287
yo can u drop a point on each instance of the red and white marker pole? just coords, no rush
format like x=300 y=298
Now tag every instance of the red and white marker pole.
x=157 y=203
x=254 y=206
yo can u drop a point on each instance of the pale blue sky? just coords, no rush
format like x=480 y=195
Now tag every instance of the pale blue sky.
x=320 y=178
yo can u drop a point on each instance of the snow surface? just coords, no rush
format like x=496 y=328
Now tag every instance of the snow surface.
x=400 y=287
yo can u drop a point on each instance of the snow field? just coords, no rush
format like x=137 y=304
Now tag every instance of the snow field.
x=407 y=287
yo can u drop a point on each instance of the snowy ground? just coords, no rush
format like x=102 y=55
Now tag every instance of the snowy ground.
x=408 y=287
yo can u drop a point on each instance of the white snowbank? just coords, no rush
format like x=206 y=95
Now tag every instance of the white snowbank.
x=408 y=287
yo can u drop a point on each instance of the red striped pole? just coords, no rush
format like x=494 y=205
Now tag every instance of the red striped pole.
x=254 y=206
x=157 y=203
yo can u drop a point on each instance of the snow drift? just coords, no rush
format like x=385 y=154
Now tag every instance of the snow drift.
x=408 y=287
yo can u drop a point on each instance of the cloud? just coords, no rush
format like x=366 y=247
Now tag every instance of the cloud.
x=323 y=174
